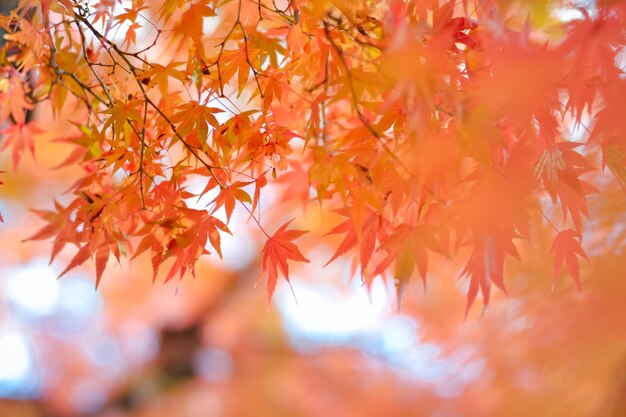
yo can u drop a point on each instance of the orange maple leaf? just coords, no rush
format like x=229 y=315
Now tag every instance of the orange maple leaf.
x=14 y=100
x=277 y=250
x=565 y=248
x=20 y=137
x=80 y=258
x=229 y=196
x=486 y=265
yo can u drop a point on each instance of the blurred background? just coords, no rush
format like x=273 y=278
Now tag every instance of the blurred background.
x=325 y=346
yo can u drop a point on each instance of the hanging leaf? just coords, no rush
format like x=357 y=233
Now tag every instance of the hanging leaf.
x=277 y=251
x=566 y=249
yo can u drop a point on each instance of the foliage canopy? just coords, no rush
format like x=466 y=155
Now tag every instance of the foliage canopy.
x=428 y=131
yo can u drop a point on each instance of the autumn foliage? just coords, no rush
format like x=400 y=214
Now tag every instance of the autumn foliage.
x=424 y=132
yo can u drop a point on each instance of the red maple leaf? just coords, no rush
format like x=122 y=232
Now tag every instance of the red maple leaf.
x=277 y=250
x=565 y=248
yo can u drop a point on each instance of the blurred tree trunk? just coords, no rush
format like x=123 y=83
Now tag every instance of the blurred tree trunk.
x=7 y=5
x=5 y=8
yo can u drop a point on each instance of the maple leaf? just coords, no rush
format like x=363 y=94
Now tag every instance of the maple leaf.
x=131 y=13
x=348 y=242
x=277 y=250
x=102 y=255
x=168 y=7
x=486 y=265
x=194 y=115
x=190 y=23
x=560 y=170
x=259 y=183
x=408 y=246
x=228 y=196
x=158 y=75
x=371 y=230
x=122 y=113
x=296 y=181
x=14 y=102
x=131 y=35
x=21 y=137
x=102 y=11
x=566 y=247
x=614 y=157
x=80 y=258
